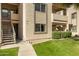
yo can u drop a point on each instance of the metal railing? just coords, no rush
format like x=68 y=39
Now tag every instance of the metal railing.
x=13 y=33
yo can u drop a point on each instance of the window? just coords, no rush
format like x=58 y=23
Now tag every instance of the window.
x=74 y=15
x=39 y=27
x=40 y=7
x=43 y=7
x=5 y=14
x=74 y=28
x=70 y=27
x=37 y=7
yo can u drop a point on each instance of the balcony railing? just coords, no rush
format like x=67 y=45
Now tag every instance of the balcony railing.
x=14 y=16
x=57 y=17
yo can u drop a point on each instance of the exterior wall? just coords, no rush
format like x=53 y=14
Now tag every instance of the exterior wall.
x=71 y=10
x=0 y=23
x=78 y=21
x=30 y=18
x=40 y=17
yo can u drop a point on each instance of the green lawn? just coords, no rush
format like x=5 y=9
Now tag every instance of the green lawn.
x=9 y=52
x=57 y=48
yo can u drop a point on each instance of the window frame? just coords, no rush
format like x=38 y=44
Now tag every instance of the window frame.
x=74 y=28
x=40 y=28
x=40 y=8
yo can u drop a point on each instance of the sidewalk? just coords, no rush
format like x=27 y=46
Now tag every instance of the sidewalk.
x=26 y=49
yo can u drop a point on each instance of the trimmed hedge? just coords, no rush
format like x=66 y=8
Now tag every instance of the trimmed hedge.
x=56 y=35
x=61 y=34
x=66 y=34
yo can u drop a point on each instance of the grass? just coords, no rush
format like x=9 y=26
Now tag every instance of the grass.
x=9 y=52
x=57 y=48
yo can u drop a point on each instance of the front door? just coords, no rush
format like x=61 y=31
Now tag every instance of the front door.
x=16 y=30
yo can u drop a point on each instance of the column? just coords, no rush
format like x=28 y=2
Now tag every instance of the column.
x=24 y=22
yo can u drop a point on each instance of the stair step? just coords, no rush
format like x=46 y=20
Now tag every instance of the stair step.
x=7 y=40
x=7 y=43
x=7 y=36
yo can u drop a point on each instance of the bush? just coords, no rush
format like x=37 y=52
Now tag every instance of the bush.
x=58 y=34
x=66 y=34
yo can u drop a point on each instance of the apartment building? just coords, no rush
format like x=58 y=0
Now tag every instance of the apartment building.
x=73 y=19
x=65 y=18
x=59 y=17
x=22 y=22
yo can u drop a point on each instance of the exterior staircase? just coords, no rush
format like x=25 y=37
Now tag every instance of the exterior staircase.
x=7 y=39
x=7 y=33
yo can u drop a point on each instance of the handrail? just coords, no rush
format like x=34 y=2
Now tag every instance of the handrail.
x=13 y=32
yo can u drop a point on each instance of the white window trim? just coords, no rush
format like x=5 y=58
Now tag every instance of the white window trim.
x=40 y=29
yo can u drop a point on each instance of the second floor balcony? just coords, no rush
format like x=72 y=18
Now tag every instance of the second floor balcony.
x=9 y=15
x=9 y=11
x=58 y=18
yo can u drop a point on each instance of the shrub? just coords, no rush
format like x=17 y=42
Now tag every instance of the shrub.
x=56 y=34
x=66 y=34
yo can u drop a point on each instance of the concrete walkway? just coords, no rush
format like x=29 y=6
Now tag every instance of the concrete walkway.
x=26 y=49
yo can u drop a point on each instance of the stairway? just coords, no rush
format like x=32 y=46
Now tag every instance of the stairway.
x=7 y=33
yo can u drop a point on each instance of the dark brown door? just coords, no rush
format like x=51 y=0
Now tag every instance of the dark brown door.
x=16 y=29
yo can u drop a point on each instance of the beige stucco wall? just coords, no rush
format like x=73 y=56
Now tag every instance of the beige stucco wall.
x=71 y=10
x=78 y=21
x=40 y=17
x=30 y=34
x=0 y=22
